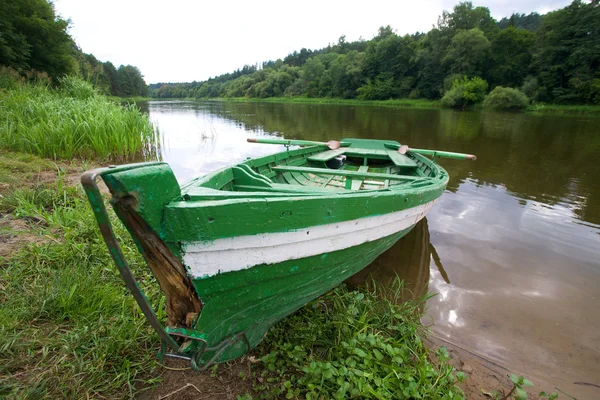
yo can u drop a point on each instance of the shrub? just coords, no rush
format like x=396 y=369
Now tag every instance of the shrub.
x=10 y=78
x=465 y=92
x=506 y=99
x=77 y=88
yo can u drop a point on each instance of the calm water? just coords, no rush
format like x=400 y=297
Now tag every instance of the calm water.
x=512 y=248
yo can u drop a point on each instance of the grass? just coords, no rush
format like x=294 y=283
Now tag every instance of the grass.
x=564 y=109
x=355 y=344
x=68 y=329
x=72 y=122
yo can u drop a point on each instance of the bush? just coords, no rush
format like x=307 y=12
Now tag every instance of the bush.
x=465 y=92
x=506 y=99
x=77 y=88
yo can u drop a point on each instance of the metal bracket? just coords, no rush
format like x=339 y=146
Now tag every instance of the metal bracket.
x=88 y=180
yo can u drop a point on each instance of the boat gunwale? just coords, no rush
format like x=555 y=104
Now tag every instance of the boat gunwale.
x=440 y=177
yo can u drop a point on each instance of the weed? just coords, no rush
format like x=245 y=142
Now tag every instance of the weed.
x=354 y=344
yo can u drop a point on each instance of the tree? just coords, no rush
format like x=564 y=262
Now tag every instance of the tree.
x=567 y=56
x=466 y=17
x=130 y=82
x=511 y=54
x=33 y=37
x=467 y=53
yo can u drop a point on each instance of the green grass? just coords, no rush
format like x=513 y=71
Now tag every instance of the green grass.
x=355 y=344
x=564 y=109
x=72 y=122
x=68 y=327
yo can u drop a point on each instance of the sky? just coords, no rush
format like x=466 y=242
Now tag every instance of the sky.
x=192 y=40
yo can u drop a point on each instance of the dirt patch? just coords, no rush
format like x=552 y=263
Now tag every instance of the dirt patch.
x=14 y=234
x=180 y=382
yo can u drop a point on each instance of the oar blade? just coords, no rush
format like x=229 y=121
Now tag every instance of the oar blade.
x=333 y=144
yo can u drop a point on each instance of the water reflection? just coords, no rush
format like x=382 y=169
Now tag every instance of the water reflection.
x=407 y=260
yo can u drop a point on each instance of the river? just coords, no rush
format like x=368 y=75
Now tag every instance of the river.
x=514 y=252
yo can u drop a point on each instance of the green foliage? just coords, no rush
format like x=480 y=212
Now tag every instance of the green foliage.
x=506 y=99
x=465 y=92
x=72 y=122
x=64 y=314
x=567 y=59
x=467 y=53
x=354 y=344
x=33 y=37
x=511 y=54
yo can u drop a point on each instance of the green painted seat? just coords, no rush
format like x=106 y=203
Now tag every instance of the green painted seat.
x=327 y=155
x=400 y=160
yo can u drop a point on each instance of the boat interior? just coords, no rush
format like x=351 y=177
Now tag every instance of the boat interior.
x=358 y=165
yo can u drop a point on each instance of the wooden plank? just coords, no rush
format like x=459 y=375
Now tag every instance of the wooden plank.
x=353 y=174
x=401 y=160
x=327 y=155
x=357 y=183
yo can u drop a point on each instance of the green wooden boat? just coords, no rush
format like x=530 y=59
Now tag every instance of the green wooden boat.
x=240 y=248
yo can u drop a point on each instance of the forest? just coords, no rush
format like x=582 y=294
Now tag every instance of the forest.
x=35 y=42
x=550 y=58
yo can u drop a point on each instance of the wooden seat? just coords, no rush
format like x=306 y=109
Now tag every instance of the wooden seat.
x=401 y=160
x=327 y=155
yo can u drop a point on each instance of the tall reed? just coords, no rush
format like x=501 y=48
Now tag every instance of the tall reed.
x=73 y=121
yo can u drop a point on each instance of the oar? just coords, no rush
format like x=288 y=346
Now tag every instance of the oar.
x=437 y=153
x=332 y=144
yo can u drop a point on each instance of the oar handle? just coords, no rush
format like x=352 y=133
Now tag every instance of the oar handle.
x=332 y=144
x=287 y=142
x=445 y=154
x=435 y=153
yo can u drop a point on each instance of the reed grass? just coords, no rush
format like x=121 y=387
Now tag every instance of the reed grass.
x=73 y=122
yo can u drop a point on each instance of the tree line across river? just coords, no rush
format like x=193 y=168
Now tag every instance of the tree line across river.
x=35 y=43
x=552 y=58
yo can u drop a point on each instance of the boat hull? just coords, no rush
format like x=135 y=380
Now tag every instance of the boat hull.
x=251 y=298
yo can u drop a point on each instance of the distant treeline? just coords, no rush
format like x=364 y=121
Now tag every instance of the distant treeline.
x=552 y=58
x=34 y=40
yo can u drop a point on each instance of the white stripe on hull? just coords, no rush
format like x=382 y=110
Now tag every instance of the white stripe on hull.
x=241 y=252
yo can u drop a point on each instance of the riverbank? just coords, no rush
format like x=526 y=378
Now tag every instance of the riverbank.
x=129 y=100
x=538 y=108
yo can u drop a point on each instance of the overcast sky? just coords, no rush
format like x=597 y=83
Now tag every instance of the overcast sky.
x=187 y=40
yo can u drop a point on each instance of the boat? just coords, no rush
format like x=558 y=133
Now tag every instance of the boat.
x=239 y=249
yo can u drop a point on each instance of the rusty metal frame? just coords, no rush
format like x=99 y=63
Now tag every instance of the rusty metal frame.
x=88 y=180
